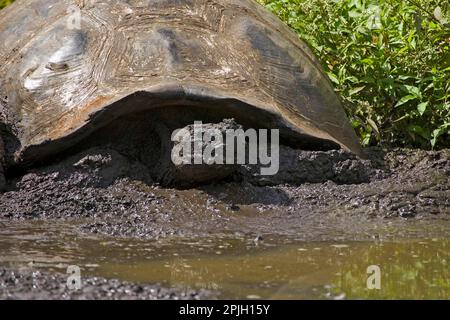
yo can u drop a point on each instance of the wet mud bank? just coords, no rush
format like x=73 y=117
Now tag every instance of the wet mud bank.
x=115 y=195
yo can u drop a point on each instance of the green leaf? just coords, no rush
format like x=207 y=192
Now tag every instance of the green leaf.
x=355 y=90
x=422 y=107
x=438 y=13
x=405 y=99
x=333 y=78
x=420 y=131
x=437 y=133
x=412 y=90
x=374 y=126
x=367 y=61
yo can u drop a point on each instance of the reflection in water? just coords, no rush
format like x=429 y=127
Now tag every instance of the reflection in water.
x=236 y=267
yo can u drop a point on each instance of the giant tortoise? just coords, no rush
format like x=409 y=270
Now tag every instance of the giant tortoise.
x=70 y=67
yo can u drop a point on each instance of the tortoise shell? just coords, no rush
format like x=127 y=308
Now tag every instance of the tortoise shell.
x=72 y=66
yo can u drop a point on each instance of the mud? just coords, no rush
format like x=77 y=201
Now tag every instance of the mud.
x=316 y=196
x=327 y=188
x=37 y=285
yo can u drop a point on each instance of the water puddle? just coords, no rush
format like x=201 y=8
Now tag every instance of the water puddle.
x=236 y=266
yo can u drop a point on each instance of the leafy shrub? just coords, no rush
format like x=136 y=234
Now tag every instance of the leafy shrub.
x=388 y=59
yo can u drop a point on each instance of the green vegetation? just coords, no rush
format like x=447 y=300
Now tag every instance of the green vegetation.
x=388 y=59
x=4 y=3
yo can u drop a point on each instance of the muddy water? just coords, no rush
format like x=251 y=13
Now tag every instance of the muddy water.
x=240 y=238
x=239 y=267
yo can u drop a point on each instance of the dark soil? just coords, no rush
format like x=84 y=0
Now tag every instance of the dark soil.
x=117 y=197
x=36 y=285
